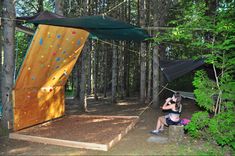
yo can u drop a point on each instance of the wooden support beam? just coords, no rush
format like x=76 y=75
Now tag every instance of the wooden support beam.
x=122 y=134
x=25 y=30
x=59 y=142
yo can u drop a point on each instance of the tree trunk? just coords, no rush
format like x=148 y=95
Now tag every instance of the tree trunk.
x=149 y=73
x=127 y=70
x=114 y=74
x=121 y=71
x=83 y=80
x=82 y=91
x=95 y=68
x=105 y=72
x=89 y=68
x=59 y=7
x=161 y=8
x=155 y=76
x=142 y=8
x=40 y=5
x=8 y=63
x=1 y=54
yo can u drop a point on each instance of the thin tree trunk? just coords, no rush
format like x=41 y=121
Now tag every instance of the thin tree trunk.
x=8 y=64
x=95 y=68
x=149 y=72
x=114 y=74
x=142 y=8
x=40 y=5
x=82 y=83
x=161 y=8
x=105 y=72
x=59 y=7
x=1 y=54
x=155 y=76
x=83 y=80
x=89 y=69
x=121 y=71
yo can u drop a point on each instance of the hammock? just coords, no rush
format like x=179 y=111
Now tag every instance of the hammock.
x=188 y=95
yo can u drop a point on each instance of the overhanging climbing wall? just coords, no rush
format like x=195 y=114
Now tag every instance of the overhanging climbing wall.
x=38 y=94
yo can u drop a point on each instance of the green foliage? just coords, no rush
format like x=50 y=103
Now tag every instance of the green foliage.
x=22 y=41
x=205 y=89
x=221 y=127
x=198 y=124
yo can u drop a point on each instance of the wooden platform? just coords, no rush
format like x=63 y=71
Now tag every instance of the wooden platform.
x=80 y=131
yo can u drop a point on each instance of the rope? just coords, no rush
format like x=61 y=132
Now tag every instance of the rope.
x=105 y=13
x=152 y=101
x=13 y=19
x=117 y=45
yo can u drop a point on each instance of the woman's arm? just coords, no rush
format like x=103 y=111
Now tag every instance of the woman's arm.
x=165 y=106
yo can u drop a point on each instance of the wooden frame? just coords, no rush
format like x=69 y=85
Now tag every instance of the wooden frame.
x=77 y=144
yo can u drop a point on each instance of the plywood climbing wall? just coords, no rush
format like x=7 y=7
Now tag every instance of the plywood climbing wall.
x=38 y=94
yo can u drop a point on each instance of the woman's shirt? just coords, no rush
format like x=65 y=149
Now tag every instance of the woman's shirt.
x=174 y=115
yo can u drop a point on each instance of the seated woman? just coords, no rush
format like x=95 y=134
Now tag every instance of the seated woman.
x=173 y=118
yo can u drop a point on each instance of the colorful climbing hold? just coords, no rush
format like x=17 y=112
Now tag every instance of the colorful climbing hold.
x=73 y=32
x=78 y=42
x=57 y=59
x=58 y=36
x=41 y=41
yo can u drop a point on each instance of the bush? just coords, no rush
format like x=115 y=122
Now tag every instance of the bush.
x=219 y=128
x=198 y=124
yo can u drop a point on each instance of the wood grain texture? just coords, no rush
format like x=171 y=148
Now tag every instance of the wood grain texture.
x=39 y=88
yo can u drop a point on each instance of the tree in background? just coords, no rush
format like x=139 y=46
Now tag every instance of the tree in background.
x=8 y=62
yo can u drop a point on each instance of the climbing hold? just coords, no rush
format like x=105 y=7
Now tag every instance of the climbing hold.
x=57 y=59
x=58 y=36
x=54 y=53
x=73 y=32
x=40 y=41
x=29 y=68
x=78 y=42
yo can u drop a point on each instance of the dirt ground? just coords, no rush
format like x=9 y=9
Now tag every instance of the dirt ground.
x=138 y=141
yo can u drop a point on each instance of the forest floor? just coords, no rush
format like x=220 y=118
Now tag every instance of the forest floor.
x=138 y=141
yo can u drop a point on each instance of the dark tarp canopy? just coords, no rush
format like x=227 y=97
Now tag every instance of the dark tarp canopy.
x=174 y=69
x=103 y=27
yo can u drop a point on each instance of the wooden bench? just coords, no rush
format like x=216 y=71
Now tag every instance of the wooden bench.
x=176 y=133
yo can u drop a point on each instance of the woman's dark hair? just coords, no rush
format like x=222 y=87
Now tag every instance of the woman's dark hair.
x=178 y=100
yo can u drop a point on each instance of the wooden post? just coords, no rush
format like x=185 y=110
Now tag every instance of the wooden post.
x=176 y=133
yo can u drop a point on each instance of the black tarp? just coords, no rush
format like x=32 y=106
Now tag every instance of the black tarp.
x=102 y=27
x=174 y=69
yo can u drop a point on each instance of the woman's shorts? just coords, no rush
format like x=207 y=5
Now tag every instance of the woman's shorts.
x=170 y=122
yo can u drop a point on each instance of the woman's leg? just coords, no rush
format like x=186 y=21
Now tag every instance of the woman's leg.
x=160 y=122
x=163 y=122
